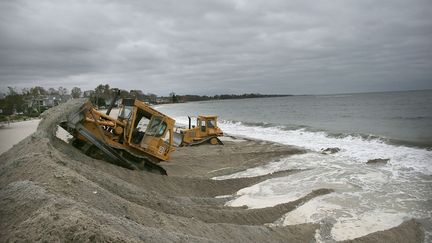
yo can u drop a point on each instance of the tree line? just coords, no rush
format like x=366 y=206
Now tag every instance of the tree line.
x=17 y=101
x=186 y=98
x=20 y=101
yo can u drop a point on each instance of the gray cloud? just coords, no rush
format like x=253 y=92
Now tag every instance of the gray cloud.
x=208 y=47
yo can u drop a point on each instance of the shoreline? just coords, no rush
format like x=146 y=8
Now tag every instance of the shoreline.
x=51 y=191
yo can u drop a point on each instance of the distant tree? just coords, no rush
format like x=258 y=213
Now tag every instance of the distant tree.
x=37 y=91
x=138 y=94
x=103 y=91
x=174 y=98
x=11 y=91
x=99 y=89
x=76 y=92
x=100 y=93
x=195 y=98
x=152 y=98
x=13 y=102
x=124 y=94
x=53 y=91
x=25 y=91
x=62 y=91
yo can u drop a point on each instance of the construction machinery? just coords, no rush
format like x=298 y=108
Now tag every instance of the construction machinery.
x=205 y=131
x=139 y=138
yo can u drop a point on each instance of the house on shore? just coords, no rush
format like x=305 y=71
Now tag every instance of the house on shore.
x=44 y=102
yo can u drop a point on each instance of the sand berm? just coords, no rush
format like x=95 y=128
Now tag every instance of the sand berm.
x=50 y=191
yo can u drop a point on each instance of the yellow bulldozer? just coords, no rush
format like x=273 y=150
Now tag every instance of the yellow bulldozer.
x=206 y=130
x=139 y=138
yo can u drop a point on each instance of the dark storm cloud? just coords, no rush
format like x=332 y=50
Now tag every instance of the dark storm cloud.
x=218 y=46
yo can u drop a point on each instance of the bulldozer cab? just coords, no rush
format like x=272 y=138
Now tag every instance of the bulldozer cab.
x=146 y=130
x=207 y=125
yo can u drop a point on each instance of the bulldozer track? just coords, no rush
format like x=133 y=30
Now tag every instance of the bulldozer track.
x=139 y=163
x=206 y=140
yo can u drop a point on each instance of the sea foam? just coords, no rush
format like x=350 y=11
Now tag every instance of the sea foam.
x=358 y=148
x=366 y=198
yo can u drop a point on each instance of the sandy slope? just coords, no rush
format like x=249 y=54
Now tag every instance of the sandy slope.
x=50 y=191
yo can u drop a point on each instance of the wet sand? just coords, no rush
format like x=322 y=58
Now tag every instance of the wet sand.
x=49 y=191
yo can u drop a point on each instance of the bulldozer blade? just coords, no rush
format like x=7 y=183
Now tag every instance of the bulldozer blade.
x=178 y=139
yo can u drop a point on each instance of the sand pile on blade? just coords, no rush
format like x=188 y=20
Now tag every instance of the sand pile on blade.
x=50 y=191
x=51 y=118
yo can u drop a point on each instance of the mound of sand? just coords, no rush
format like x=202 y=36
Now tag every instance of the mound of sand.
x=52 y=192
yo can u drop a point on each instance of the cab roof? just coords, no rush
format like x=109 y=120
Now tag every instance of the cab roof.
x=147 y=110
x=207 y=116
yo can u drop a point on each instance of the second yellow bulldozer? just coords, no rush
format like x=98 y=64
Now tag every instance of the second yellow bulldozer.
x=206 y=130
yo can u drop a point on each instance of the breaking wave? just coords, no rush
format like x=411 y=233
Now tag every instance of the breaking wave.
x=358 y=147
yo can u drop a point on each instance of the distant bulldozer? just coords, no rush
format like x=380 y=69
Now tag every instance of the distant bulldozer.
x=205 y=131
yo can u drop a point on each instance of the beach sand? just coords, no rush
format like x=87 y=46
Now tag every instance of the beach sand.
x=49 y=191
x=14 y=132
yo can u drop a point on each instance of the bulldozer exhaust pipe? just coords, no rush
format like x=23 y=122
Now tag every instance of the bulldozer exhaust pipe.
x=190 y=122
x=113 y=101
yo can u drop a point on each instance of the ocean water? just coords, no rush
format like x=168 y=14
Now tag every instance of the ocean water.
x=367 y=198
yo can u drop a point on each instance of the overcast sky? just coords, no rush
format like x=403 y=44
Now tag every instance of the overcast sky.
x=220 y=46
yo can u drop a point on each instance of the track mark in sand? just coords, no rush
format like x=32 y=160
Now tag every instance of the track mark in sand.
x=224 y=168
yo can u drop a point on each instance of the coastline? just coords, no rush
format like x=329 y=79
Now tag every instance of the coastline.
x=51 y=191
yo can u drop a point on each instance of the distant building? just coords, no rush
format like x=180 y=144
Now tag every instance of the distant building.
x=88 y=93
x=2 y=96
x=163 y=100
x=47 y=101
x=51 y=100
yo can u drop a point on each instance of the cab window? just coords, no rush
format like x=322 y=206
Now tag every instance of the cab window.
x=211 y=123
x=167 y=137
x=125 y=112
x=202 y=125
x=156 y=127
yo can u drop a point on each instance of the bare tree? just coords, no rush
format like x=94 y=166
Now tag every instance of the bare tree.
x=76 y=92
x=53 y=91
x=62 y=90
